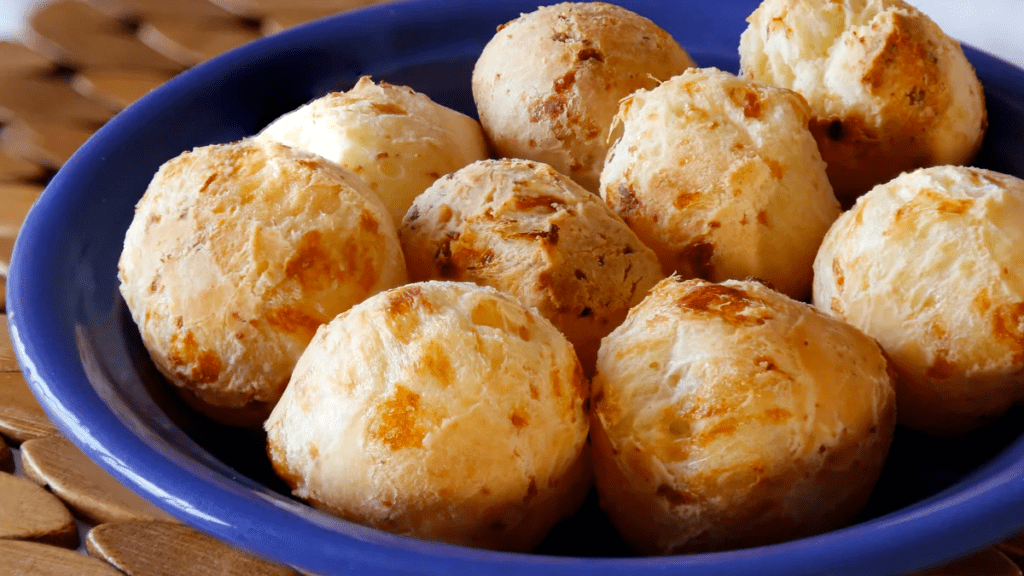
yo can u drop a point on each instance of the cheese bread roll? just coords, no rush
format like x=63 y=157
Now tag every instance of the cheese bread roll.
x=930 y=265
x=396 y=139
x=729 y=415
x=548 y=83
x=530 y=231
x=722 y=178
x=441 y=410
x=888 y=90
x=236 y=254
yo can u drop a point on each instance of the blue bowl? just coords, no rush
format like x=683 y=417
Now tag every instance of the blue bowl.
x=937 y=498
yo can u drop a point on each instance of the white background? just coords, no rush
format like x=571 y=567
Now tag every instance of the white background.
x=12 y=17
x=995 y=26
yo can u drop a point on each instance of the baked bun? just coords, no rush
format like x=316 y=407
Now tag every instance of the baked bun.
x=397 y=140
x=529 y=231
x=929 y=264
x=729 y=415
x=721 y=177
x=441 y=410
x=548 y=83
x=236 y=254
x=889 y=91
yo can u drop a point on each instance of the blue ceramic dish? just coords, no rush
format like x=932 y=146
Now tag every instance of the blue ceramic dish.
x=937 y=499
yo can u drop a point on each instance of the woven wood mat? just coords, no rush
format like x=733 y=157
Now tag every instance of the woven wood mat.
x=80 y=63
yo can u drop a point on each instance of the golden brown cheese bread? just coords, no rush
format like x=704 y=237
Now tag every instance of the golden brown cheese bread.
x=236 y=254
x=396 y=139
x=930 y=264
x=722 y=178
x=527 y=230
x=729 y=415
x=889 y=90
x=441 y=410
x=548 y=83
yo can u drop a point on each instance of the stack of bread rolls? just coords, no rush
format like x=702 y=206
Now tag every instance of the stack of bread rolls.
x=631 y=272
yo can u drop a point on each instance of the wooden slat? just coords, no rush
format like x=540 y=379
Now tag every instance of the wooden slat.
x=7 y=239
x=16 y=59
x=32 y=559
x=117 y=88
x=146 y=9
x=21 y=416
x=150 y=548
x=190 y=43
x=15 y=202
x=78 y=35
x=280 y=20
x=8 y=361
x=6 y=457
x=28 y=512
x=46 y=143
x=92 y=493
x=262 y=8
x=15 y=169
x=49 y=100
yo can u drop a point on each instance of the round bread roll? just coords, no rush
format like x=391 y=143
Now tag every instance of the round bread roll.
x=548 y=83
x=397 y=140
x=441 y=410
x=729 y=415
x=889 y=91
x=236 y=254
x=721 y=177
x=929 y=264
x=531 y=232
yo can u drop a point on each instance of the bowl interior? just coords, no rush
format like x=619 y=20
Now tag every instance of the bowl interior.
x=937 y=497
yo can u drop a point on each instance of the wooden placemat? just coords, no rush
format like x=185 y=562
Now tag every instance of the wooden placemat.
x=81 y=62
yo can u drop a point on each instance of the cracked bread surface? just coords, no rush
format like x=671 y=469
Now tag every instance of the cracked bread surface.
x=236 y=254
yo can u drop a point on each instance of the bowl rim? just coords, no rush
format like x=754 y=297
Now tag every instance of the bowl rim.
x=974 y=513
